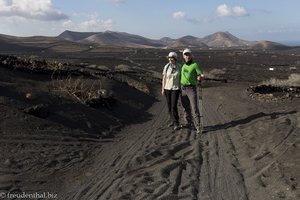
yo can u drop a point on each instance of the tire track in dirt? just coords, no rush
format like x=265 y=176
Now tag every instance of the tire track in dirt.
x=260 y=163
x=256 y=144
x=32 y=154
x=149 y=162
x=220 y=176
x=114 y=162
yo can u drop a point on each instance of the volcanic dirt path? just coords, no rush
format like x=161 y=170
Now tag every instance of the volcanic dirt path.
x=150 y=161
x=241 y=155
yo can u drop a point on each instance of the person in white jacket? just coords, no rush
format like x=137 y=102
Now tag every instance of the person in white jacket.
x=171 y=87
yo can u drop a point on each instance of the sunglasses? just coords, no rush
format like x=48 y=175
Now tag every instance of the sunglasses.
x=187 y=54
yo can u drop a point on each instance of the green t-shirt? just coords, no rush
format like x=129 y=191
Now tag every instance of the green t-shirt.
x=189 y=73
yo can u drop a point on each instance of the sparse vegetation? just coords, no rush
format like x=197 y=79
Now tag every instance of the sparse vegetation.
x=276 y=89
x=75 y=135
x=122 y=68
x=135 y=84
x=98 y=67
x=102 y=67
x=77 y=88
x=214 y=73
x=293 y=80
x=31 y=63
x=85 y=91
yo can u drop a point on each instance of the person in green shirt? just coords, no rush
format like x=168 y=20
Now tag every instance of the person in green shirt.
x=191 y=73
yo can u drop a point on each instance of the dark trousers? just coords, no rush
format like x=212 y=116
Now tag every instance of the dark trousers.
x=189 y=102
x=172 y=97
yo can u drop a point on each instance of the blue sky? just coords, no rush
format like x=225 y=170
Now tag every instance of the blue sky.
x=275 y=20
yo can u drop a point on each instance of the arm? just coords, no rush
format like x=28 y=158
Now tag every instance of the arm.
x=163 y=84
x=200 y=74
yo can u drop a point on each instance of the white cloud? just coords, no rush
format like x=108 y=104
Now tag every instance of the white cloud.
x=30 y=9
x=96 y=25
x=117 y=2
x=182 y=15
x=282 y=30
x=92 y=24
x=236 y=11
x=199 y=21
x=178 y=15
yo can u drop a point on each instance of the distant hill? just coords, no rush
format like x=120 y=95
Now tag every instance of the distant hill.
x=270 y=45
x=13 y=44
x=122 y=39
x=166 y=40
x=187 y=41
x=215 y=40
x=224 y=39
x=111 y=38
x=75 y=36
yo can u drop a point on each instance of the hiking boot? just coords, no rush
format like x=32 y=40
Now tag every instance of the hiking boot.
x=187 y=125
x=170 y=124
x=176 y=127
x=198 y=130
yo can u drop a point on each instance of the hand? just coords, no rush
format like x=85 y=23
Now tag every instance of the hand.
x=200 y=77
x=163 y=92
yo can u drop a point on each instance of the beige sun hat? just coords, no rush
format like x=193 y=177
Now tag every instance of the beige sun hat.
x=186 y=51
x=172 y=55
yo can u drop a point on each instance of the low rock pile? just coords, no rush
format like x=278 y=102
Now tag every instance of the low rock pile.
x=29 y=64
x=273 y=93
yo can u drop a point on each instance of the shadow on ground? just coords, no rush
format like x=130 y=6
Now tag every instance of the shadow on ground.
x=246 y=120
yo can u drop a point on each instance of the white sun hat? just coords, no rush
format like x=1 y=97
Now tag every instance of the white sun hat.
x=186 y=51
x=172 y=55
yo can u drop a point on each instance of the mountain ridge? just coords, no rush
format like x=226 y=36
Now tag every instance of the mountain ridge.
x=215 y=40
x=123 y=39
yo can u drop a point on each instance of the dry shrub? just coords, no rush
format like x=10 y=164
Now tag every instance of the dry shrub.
x=79 y=88
x=293 y=80
x=122 y=68
x=30 y=95
x=138 y=85
x=56 y=66
x=98 y=67
x=135 y=84
x=214 y=73
x=102 y=67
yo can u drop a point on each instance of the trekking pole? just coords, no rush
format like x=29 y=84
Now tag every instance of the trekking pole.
x=200 y=103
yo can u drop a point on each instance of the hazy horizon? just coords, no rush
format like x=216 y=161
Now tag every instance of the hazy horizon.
x=284 y=42
x=291 y=42
x=248 y=20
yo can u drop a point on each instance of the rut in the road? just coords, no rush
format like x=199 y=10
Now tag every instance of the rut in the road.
x=150 y=161
x=221 y=176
